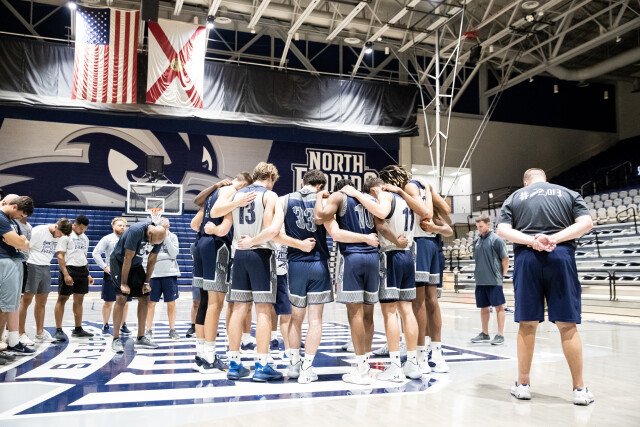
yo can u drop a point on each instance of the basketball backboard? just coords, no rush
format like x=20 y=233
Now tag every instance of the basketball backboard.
x=143 y=196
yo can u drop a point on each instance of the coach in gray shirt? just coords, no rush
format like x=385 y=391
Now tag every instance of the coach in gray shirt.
x=492 y=263
x=542 y=220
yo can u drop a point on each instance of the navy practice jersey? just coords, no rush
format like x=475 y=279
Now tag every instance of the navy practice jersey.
x=354 y=217
x=299 y=223
x=208 y=204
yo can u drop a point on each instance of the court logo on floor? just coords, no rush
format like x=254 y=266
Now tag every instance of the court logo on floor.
x=85 y=374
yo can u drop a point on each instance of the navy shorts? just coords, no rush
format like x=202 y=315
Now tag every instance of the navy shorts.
x=397 y=277
x=253 y=277
x=165 y=286
x=550 y=276
x=489 y=296
x=358 y=278
x=282 y=305
x=108 y=293
x=210 y=264
x=309 y=283
x=427 y=266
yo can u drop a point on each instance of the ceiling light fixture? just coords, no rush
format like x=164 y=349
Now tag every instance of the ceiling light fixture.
x=368 y=48
x=72 y=5
x=210 y=22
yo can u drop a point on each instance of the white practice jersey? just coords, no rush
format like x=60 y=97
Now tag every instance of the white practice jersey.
x=401 y=221
x=247 y=221
x=75 y=248
x=42 y=245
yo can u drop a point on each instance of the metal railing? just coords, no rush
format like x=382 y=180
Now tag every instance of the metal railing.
x=605 y=178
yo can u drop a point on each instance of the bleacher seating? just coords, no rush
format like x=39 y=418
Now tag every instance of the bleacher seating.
x=607 y=258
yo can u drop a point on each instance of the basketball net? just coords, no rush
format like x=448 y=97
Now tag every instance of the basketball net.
x=156 y=215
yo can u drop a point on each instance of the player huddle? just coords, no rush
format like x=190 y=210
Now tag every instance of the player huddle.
x=389 y=252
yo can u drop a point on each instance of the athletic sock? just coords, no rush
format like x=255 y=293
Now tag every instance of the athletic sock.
x=436 y=348
x=412 y=356
x=262 y=359
x=363 y=366
x=395 y=357
x=200 y=347
x=274 y=335
x=308 y=360
x=295 y=355
x=140 y=337
x=13 y=338
x=233 y=356
x=209 y=351
x=246 y=338
x=427 y=342
x=422 y=353
x=193 y=326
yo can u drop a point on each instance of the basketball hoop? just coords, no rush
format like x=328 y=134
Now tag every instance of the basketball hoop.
x=156 y=215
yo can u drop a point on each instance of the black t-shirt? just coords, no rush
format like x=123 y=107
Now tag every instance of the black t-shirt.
x=542 y=208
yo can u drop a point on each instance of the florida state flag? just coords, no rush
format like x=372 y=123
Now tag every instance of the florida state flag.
x=176 y=64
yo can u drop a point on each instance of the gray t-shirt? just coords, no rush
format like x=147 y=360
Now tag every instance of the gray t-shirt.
x=542 y=208
x=488 y=252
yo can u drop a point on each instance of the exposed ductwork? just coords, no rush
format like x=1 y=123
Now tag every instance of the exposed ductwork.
x=596 y=70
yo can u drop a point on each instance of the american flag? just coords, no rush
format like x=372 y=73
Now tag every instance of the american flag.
x=105 y=64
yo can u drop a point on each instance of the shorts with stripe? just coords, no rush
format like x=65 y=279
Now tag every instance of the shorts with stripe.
x=358 y=278
x=397 y=277
x=427 y=268
x=309 y=283
x=253 y=277
x=210 y=264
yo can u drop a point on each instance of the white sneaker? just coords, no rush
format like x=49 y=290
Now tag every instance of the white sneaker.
x=294 y=369
x=440 y=367
x=45 y=336
x=348 y=346
x=411 y=370
x=424 y=367
x=26 y=341
x=381 y=352
x=307 y=376
x=583 y=397
x=392 y=373
x=355 y=377
x=522 y=391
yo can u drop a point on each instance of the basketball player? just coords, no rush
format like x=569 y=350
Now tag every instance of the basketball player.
x=130 y=279
x=282 y=308
x=309 y=278
x=212 y=254
x=428 y=266
x=395 y=223
x=42 y=247
x=254 y=273
x=105 y=246
x=164 y=281
x=74 y=278
x=360 y=268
